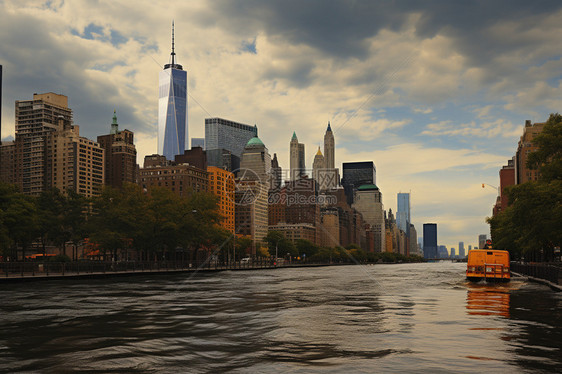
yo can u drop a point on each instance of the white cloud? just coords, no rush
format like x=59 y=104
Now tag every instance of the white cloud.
x=497 y=128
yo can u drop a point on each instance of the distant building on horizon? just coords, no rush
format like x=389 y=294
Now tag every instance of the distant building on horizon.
x=461 y=250
x=453 y=252
x=172 y=108
x=430 y=248
x=198 y=142
x=482 y=240
x=297 y=165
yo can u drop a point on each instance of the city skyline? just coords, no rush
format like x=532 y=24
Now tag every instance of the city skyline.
x=416 y=89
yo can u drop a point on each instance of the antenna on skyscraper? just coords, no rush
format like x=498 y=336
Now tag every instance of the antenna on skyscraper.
x=173 y=53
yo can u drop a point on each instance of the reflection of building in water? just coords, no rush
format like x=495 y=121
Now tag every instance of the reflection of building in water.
x=486 y=301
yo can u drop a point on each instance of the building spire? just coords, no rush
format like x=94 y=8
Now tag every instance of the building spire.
x=173 y=52
x=114 y=125
x=329 y=128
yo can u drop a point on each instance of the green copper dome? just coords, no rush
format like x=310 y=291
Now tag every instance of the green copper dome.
x=255 y=142
x=367 y=187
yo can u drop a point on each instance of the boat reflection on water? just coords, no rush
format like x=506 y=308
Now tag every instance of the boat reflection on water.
x=487 y=300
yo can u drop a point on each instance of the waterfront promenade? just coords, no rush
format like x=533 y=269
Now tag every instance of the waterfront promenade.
x=37 y=271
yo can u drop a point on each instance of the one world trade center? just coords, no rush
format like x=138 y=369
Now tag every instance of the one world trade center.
x=172 y=108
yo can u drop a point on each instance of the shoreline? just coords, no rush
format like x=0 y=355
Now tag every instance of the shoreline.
x=123 y=274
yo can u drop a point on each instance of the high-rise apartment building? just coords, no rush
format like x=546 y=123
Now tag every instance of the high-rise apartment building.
x=356 y=174
x=229 y=135
x=35 y=119
x=297 y=164
x=120 y=155
x=461 y=250
x=430 y=248
x=251 y=213
x=221 y=184
x=172 y=108
x=524 y=147
x=73 y=162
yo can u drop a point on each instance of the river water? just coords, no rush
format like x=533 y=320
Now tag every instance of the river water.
x=383 y=318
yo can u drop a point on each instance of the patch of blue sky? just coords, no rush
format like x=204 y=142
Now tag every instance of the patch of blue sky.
x=249 y=46
x=96 y=32
x=117 y=38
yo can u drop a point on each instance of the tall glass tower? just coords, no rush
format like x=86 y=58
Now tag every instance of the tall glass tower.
x=403 y=212
x=172 y=108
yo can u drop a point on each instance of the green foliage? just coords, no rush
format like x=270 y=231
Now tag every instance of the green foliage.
x=548 y=157
x=532 y=222
x=306 y=247
x=531 y=226
x=284 y=246
x=243 y=247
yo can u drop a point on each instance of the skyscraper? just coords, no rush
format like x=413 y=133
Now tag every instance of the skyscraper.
x=231 y=136
x=297 y=161
x=482 y=240
x=318 y=168
x=34 y=120
x=368 y=201
x=73 y=162
x=120 y=155
x=172 y=108
x=430 y=249
x=255 y=163
x=276 y=174
x=403 y=213
x=329 y=148
x=461 y=250
x=356 y=174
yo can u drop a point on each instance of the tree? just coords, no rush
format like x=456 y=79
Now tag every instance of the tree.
x=306 y=247
x=548 y=157
x=277 y=239
x=531 y=226
x=21 y=221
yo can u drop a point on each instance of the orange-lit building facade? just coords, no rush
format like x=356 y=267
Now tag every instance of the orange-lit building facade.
x=526 y=146
x=221 y=184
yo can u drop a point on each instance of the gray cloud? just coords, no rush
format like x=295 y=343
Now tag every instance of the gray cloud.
x=36 y=61
x=341 y=29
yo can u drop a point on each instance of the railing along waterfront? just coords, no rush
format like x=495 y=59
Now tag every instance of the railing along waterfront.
x=32 y=268
x=549 y=272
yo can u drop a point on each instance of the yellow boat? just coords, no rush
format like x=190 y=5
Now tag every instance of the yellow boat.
x=489 y=264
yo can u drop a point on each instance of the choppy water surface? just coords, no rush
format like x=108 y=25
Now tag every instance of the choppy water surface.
x=385 y=318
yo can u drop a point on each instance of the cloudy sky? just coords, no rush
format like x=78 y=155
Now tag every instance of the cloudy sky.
x=434 y=92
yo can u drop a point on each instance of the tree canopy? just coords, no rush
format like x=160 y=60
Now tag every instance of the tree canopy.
x=531 y=226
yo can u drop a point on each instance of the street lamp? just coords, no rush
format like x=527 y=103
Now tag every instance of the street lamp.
x=494 y=187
